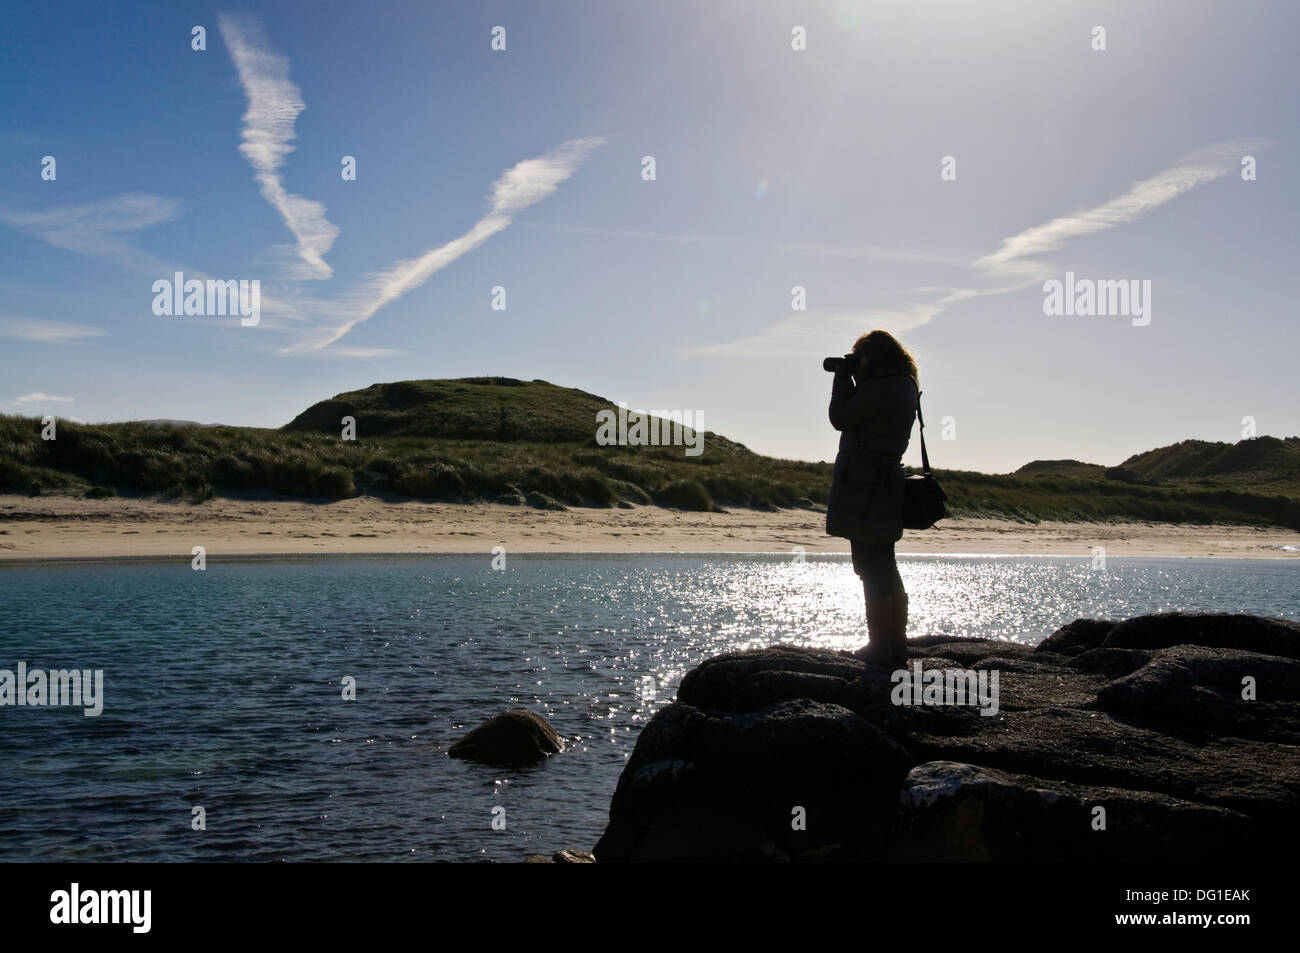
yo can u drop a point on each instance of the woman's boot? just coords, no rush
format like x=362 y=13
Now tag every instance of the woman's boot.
x=899 y=629
x=886 y=630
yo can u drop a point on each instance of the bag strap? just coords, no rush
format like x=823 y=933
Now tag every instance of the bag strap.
x=925 y=457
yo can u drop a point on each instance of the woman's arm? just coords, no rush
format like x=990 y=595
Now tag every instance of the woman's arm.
x=849 y=407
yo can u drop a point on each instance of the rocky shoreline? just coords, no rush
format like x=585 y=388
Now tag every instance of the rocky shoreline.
x=1161 y=738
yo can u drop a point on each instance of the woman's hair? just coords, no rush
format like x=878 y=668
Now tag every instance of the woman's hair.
x=880 y=350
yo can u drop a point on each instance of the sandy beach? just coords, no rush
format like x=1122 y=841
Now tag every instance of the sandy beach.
x=53 y=527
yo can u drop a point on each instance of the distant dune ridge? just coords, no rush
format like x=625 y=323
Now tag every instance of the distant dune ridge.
x=533 y=443
x=1265 y=460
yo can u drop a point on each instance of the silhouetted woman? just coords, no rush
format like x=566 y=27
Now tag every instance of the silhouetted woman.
x=873 y=404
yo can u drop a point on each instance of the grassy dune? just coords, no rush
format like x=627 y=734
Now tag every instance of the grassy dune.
x=533 y=443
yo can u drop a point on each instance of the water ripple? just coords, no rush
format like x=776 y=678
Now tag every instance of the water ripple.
x=224 y=688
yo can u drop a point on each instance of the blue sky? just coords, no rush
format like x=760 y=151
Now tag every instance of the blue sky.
x=774 y=168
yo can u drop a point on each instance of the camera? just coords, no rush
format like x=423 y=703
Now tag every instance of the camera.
x=836 y=364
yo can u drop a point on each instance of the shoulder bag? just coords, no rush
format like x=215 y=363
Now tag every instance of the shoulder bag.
x=922 y=497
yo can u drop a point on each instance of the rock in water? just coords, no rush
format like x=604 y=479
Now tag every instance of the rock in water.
x=565 y=856
x=515 y=737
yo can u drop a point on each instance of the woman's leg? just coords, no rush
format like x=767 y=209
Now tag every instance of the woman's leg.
x=886 y=601
x=876 y=564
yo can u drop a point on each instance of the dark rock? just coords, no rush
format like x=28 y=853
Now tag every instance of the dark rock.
x=1216 y=630
x=766 y=688
x=1026 y=685
x=868 y=692
x=574 y=857
x=562 y=857
x=741 y=681
x=1010 y=663
x=698 y=833
x=962 y=812
x=1079 y=636
x=1098 y=749
x=967 y=651
x=701 y=786
x=1113 y=663
x=515 y=737
x=1202 y=687
x=926 y=641
x=1103 y=713
x=942 y=720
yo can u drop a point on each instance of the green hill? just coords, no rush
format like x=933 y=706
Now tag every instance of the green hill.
x=1262 y=460
x=471 y=408
x=483 y=438
x=534 y=443
x=474 y=408
x=1060 y=468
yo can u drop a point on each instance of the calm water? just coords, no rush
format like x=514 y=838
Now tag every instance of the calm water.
x=223 y=687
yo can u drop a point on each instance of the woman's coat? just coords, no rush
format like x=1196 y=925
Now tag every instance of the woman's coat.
x=875 y=423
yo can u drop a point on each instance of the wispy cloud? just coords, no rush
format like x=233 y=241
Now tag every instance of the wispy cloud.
x=901 y=256
x=522 y=185
x=358 y=352
x=96 y=229
x=633 y=233
x=866 y=252
x=812 y=333
x=1011 y=268
x=1193 y=170
x=274 y=103
x=36 y=397
x=46 y=332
